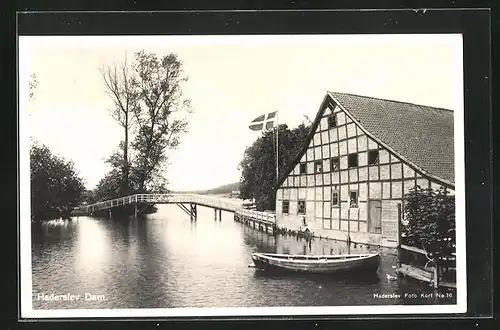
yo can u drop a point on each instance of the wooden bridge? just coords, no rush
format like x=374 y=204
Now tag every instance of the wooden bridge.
x=183 y=201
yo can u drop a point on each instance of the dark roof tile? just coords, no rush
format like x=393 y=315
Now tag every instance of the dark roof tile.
x=423 y=135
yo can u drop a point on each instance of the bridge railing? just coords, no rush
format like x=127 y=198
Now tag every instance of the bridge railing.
x=215 y=202
x=162 y=198
x=210 y=201
x=257 y=215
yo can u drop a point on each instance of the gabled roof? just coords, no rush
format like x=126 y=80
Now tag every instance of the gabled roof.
x=420 y=135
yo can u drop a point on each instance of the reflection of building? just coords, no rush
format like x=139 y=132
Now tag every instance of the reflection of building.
x=361 y=156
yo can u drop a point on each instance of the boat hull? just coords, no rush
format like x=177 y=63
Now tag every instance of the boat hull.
x=362 y=265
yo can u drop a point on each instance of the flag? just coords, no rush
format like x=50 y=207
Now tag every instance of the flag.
x=263 y=122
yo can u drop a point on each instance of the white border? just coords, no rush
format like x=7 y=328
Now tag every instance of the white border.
x=27 y=311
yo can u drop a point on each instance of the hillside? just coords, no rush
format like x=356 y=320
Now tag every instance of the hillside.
x=224 y=189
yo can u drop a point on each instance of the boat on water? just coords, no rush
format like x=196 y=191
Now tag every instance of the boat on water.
x=317 y=264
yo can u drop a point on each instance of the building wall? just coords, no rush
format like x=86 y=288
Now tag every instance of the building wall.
x=385 y=183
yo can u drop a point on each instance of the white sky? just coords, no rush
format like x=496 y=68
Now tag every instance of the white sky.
x=232 y=80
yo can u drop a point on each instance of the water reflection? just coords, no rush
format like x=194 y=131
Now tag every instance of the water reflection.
x=167 y=260
x=352 y=279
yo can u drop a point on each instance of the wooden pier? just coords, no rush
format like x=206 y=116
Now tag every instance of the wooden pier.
x=415 y=263
x=262 y=221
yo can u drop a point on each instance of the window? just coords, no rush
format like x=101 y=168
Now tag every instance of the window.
x=353 y=200
x=303 y=168
x=335 y=198
x=353 y=160
x=318 y=166
x=286 y=207
x=373 y=157
x=335 y=164
x=332 y=121
x=301 y=207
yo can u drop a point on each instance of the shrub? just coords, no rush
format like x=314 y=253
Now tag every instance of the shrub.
x=430 y=220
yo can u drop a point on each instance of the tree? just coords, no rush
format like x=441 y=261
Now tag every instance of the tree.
x=56 y=187
x=121 y=87
x=159 y=116
x=89 y=197
x=258 y=167
x=430 y=220
x=150 y=105
x=109 y=186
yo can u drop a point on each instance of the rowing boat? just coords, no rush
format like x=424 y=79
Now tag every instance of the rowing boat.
x=318 y=264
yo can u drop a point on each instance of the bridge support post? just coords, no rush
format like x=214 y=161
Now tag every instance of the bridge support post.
x=135 y=211
x=220 y=215
x=215 y=214
x=194 y=214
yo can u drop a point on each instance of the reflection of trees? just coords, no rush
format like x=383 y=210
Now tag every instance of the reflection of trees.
x=51 y=232
x=122 y=229
x=141 y=226
x=149 y=275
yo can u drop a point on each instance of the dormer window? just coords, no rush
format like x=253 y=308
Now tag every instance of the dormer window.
x=332 y=121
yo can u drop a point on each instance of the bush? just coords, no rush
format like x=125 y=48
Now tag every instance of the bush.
x=55 y=186
x=430 y=220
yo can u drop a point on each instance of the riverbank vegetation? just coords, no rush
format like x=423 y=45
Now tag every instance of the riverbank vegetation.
x=430 y=222
x=149 y=105
x=56 y=187
x=258 y=167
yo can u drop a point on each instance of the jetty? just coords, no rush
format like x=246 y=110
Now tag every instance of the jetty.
x=415 y=263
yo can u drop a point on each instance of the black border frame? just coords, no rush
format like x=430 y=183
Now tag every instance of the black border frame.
x=473 y=24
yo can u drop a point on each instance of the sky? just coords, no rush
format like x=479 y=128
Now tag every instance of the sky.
x=232 y=80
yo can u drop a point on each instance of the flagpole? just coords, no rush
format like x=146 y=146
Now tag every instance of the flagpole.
x=277 y=145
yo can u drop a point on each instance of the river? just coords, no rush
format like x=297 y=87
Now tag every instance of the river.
x=166 y=260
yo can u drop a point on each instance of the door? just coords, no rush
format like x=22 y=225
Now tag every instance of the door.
x=374 y=216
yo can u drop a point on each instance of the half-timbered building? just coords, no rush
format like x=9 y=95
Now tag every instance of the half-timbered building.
x=361 y=157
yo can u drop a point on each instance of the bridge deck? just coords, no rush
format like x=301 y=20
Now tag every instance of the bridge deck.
x=202 y=200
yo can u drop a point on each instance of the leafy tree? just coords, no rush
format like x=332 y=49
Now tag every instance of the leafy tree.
x=149 y=104
x=89 y=197
x=56 y=187
x=120 y=85
x=109 y=186
x=159 y=116
x=258 y=167
x=430 y=220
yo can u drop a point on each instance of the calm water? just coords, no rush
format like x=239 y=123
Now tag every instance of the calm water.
x=165 y=260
